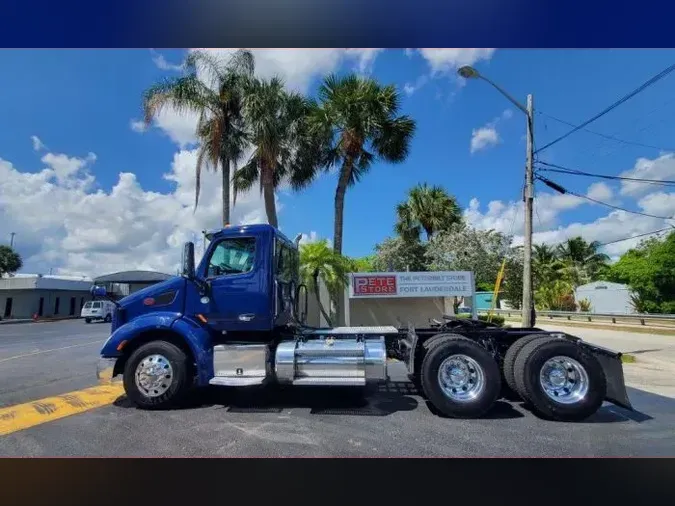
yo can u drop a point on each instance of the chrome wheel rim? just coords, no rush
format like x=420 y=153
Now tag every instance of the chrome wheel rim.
x=564 y=380
x=154 y=375
x=461 y=378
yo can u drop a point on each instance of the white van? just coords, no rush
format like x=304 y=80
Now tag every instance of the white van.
x=98 y=310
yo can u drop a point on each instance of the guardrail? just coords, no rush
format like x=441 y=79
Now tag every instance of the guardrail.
x=579 y=315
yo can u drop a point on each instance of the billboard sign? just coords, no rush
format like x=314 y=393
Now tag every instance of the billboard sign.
x=411 y=284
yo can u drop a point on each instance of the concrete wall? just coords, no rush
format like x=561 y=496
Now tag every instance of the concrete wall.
x=395 y=311
x=25 y=303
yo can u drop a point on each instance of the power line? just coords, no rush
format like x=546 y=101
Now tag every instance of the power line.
x=610 y=137
x=635 y=236
x=564 y=170
x=616 y=104
x=561 y=189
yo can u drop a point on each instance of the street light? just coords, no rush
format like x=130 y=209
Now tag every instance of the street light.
x=469 y=72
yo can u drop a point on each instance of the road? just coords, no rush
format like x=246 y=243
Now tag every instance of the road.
x=45 y=360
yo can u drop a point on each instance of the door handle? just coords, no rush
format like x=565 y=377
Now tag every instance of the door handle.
x=246 y=317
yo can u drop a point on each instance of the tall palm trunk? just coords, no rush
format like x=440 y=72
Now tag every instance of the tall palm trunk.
x=225 y=171
x=340 y=192
x=345 y=174
x=315 y=280
x=268 y=195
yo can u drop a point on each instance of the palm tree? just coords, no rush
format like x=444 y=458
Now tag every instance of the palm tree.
x=582 y=259
x=545 y=263
x=277 y=123
x=218 y=102
x=427 y=208
x=318 y=260
x=359 y=122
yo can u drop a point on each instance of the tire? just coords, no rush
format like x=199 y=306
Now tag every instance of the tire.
x=482 y=378
x=573 y=402
x=87 y=320
x=165 y=395
x=108 y=318
x=510 y=359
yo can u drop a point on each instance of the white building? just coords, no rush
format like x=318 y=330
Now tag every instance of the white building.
x=606 y=297
x=25 y=295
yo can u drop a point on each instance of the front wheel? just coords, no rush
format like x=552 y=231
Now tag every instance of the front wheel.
x=87 y=320
x=560 y=380
x=460 y=378
x=156 y=375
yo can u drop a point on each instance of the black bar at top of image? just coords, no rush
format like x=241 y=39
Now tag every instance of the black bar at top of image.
x=337 y=23
x=198 y=482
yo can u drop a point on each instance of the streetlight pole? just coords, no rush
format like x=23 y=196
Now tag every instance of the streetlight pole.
x=528 y=197
x=11 y=239
x=468 y=72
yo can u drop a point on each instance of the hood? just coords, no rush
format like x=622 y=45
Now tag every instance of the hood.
x=175 y=283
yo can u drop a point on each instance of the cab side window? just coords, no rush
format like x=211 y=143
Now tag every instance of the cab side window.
x=232 y=256
x=285 y=261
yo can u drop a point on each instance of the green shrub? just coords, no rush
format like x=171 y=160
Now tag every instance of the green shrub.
x=584 y=305
x=496 y=319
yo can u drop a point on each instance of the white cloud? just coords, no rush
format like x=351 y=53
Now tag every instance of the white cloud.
x=409 y=52
x=365 y=58
x=410 y=88
x=449 y=60
x=601 y=192
x=137 y=126
x=37 y=143
x=483 y=138
x=309 y=238
x=162 y=64
x=91 y=232
x=661 y=168
x=508 y=217
x=487 y=135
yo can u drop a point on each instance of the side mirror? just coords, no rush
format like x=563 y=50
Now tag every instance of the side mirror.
x=98 y=291
x=189 y=260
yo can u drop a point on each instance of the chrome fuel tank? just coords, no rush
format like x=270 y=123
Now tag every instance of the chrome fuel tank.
x=331 y=361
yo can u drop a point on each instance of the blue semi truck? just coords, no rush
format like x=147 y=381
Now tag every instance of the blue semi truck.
x=238 y=319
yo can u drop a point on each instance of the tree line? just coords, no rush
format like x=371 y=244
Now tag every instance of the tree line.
x=431 y=235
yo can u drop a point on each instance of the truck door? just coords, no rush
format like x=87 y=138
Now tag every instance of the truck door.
x=238 y=298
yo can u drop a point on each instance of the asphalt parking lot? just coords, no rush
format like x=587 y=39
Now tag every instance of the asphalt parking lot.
x=43 y=360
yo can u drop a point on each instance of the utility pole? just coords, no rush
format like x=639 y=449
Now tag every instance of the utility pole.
x=468 y=72
x=11 y=239
x=528 y=197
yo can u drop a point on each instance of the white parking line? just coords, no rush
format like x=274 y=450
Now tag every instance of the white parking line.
x=49 y=351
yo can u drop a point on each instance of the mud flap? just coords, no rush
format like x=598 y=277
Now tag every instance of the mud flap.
x=613 y=369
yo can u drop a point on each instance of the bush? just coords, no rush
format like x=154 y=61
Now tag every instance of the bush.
x=564 y=303
x=584 y=305
x=496 y=319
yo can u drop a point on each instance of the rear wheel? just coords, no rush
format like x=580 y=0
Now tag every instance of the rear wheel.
x=156 y=375
x=560 y=380
x=510 y=359
x=460 y=378
x=108 y=318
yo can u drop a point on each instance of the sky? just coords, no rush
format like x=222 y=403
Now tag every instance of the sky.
x=88 y=190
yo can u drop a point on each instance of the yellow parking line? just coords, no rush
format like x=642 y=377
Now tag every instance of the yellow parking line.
x=30 y=414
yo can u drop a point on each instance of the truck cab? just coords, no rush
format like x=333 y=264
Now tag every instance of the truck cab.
x=235 y=319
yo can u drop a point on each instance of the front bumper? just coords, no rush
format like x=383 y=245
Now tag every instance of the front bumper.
x=104 y=369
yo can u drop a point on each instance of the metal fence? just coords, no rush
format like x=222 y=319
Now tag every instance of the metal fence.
x=642 y=319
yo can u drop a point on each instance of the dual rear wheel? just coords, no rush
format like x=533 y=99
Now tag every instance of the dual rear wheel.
x=555 y=377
